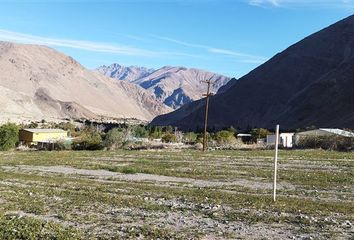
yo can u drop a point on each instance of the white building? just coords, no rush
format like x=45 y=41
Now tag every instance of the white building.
x=285 y=139
x=321 y=132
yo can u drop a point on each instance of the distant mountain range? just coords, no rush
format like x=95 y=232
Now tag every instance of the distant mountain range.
x=173 y=86
x=37 y=82
x=124 y=73
x=310 y=83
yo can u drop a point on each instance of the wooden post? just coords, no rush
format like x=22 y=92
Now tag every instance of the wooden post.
x=275 y=163
x=205 y=137
x=207 y=95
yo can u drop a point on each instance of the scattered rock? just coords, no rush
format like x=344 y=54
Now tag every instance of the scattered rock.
x=347 y=224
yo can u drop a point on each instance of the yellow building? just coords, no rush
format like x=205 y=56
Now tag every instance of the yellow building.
x=33 y=136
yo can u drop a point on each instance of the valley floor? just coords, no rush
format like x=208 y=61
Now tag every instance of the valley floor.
x=176 y=194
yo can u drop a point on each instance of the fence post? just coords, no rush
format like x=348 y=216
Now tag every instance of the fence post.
x=275 y=163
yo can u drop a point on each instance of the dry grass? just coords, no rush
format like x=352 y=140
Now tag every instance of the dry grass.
x=175 y=194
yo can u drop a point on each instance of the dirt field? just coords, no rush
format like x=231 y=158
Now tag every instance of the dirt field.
x=176 y=195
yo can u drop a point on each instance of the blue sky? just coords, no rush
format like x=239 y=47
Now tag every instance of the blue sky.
x=230 y=37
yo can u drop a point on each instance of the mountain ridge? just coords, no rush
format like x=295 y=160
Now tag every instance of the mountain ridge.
x=173 y=86
x=38 y=82
x=306 y=84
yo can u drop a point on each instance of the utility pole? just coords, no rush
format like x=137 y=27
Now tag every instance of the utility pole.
x=207 y=95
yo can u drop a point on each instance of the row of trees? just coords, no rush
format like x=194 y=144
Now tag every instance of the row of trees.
x=116 y=138
x=95 y=138
x=121 y=137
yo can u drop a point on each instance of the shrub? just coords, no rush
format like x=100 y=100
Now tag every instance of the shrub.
x=115 y=138
x=8 y=136
x=19 y=227
x=225 y=137
x=169 y=138
x=129 y=170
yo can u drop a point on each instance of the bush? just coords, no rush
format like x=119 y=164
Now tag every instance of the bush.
x=115 y=138
x=8 y=136
x=89 y=139
x=190 y=137
x=129 y=170
x=225 y=137
x=169 y=138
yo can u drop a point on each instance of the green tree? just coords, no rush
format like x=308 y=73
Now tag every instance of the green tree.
x=115 y=138
x=8 y=136
x=156 y=132
x=259 y=133
x=89 y=139
x=140 y=131
x=225 y=137
x=67 y=126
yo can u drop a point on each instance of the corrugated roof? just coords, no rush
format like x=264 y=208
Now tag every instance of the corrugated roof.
x=44 y=130
x=328 y=131
x=338 y=132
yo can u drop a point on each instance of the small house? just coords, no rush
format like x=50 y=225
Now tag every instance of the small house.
x=34 y=136
x=285 y=139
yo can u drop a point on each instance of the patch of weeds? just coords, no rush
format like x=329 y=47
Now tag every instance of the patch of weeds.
x=129 y=170
x=15 y=227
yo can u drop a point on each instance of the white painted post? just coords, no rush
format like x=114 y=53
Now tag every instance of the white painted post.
x=275 y=163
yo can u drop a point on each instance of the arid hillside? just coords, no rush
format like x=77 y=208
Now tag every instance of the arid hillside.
x=37 y=82
x=310 y=83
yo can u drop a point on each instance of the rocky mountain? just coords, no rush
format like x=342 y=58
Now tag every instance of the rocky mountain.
x=37 y=82
x=310 y=83
x=228 y=85
x=173 y=86
x=124 y=73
